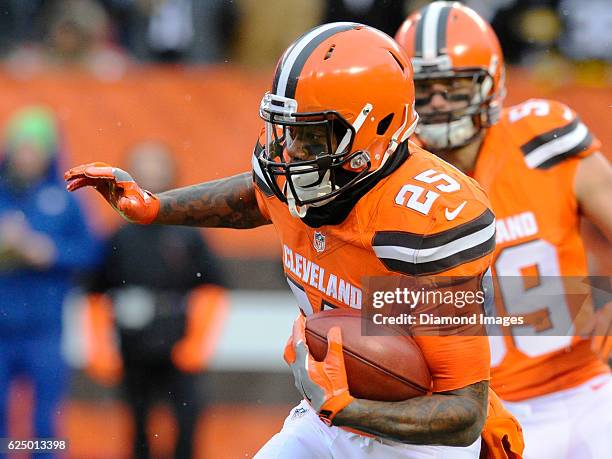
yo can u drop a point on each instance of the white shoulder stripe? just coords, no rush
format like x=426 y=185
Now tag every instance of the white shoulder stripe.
x=436 y=253
x=557 y=146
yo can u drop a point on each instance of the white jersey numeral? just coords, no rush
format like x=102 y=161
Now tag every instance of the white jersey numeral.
x=547 y=299
x=415 y=192
x=536 y=107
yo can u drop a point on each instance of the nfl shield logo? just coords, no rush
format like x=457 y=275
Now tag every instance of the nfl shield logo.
x=319 y=241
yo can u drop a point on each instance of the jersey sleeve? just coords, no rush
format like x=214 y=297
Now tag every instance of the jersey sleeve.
x=456 y=257
x=455 y=361
x=458 y=241
x=549 y=132
x=455 y=254
x=446 y=247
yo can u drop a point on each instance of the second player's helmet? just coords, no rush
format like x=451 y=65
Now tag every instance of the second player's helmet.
x=447 y=42
x=342 y=100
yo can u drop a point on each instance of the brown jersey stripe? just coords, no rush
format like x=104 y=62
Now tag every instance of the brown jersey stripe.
x=442 y=265
x=582 y=146
x=416 y=255
x=556 y=145
x=421 y=241
x=548 y=136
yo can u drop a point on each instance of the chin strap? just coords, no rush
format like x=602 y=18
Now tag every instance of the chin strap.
x=365 y=111
x=401 y=134
x=296 y=211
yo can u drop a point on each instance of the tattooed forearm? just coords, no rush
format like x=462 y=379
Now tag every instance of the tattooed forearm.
x=454 y=418
x=225 y=203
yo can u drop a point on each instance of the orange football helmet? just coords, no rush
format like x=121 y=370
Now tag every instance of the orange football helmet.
x=342 y=100
x=447 y=41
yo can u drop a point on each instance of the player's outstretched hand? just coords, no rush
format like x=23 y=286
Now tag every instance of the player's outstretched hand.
x=118 y=188
x=323 y=384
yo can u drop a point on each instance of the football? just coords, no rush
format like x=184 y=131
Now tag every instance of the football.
x=385 y=368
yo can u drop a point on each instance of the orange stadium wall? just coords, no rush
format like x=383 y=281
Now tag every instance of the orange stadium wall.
x=209 y=117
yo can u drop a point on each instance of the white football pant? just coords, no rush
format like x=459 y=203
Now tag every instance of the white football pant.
x=570 y=424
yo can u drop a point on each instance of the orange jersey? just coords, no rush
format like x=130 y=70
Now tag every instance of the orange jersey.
x=527 y=165
x=425 y=218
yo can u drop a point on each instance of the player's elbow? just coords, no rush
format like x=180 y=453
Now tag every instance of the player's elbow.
x=469 y=430
x=450 y=429
x=464 y=415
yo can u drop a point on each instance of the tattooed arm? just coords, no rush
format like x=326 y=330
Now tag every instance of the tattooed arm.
x=224 y=203
x=228 y=203
x=453 y=418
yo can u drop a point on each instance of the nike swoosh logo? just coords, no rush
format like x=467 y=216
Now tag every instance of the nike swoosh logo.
x=450 y=215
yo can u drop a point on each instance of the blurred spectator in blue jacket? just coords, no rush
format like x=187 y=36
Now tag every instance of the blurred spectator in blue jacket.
x=44 y=241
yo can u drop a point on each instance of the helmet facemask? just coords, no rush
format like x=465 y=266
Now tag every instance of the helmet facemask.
x=307 y=158
x=475 y=108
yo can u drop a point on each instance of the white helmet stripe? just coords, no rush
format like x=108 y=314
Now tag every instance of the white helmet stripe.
x=293 y=63
x=430 y=29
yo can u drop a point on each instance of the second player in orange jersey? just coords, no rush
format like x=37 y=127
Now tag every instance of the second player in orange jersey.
x=541 y=168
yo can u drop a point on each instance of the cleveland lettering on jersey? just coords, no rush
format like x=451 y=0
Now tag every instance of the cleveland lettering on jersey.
x=316 y=276
x=516 y=227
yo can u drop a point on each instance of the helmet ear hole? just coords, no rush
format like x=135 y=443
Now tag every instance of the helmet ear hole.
x=384 y=124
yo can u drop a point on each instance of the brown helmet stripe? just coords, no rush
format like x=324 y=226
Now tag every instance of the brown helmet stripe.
x=292 y=63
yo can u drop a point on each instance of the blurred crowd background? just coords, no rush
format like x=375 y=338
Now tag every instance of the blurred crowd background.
x=107 y=35
x=149 y=342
